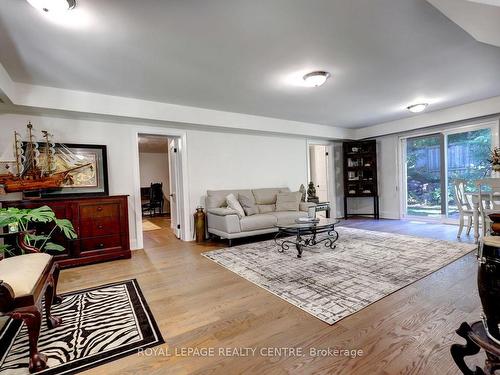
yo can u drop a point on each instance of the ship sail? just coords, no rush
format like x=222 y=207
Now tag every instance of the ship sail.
x=38 y=165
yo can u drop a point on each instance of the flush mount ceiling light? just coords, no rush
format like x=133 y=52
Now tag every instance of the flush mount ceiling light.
x=316 y=79
x=53 y=6
x=416 y=108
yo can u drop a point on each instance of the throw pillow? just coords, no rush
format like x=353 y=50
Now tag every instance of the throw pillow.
x=288 y=201
x=233 y=203
x=248 y=205
x=265 y=208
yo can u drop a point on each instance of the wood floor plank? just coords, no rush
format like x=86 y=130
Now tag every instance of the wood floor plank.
x=199 y=304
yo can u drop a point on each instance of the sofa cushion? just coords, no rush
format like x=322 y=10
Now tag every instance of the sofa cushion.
x=22 y=272
x=267 y=195
x=217 y=198
x=258 y=221
x=287 y=217
x=266 y=208
x=288 y=201
x=248 y=204
x=233 y=203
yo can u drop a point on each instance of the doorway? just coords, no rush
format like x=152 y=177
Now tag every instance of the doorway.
x=433 y=161
x=160 y=179
x=321 y=172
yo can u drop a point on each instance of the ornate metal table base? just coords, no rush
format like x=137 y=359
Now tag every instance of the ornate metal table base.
x=305 y=237
x=477 y=339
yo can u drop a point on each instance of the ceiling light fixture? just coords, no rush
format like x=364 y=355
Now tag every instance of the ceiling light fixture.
x=53 y=6
x=416 y=108
x=316 y=79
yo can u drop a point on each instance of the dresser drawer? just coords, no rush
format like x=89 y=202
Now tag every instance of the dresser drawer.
x=99 y=210
x=99 y=226
x=99 y=243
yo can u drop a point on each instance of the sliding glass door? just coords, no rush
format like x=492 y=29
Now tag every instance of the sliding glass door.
x=467 y=158
x=434 y=161
x=423 y=176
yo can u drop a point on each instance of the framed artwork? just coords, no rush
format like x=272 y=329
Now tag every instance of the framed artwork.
x=90 y=180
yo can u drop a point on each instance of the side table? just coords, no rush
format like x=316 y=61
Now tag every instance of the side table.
x=476 y=339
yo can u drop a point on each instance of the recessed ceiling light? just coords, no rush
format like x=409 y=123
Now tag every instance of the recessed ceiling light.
x=316 y=79
x=416 y=108
x=50 y=6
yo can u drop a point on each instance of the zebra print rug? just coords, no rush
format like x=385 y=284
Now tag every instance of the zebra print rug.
x=100 y=325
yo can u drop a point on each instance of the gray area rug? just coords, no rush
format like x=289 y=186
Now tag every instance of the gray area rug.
x=333 y=284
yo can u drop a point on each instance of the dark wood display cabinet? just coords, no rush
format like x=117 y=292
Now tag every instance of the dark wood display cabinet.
x=360 y=173
x=101 y=224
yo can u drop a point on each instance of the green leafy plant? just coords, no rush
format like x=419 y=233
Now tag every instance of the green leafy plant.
x=5 y=249
x=26 y=218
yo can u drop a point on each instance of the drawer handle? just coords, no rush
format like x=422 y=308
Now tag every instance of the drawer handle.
x=99 y=208
x=100 y=246
x=100 y=226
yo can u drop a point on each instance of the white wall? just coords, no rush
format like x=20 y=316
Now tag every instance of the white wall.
x=153 y=168
x=236 y=161
x=214 y=160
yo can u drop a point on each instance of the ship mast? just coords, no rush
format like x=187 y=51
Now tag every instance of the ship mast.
x=16 y=151
x=48 y=155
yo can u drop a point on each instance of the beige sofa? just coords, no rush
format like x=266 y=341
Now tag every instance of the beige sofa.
x=225 y=222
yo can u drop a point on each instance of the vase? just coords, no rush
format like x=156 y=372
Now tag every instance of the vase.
x=199 y=224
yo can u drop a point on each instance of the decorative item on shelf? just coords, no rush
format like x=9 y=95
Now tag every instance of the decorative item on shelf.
x=33 y=165
x=199 y=224
x=355 y=149
x=494 y=160
x=311 y=193
x=302 y=190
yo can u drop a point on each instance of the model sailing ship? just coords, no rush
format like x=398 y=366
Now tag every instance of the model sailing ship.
x=28 y=170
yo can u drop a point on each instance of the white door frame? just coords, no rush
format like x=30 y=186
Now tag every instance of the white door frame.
x=184 y=202
x=332 y=193
x=495 y=138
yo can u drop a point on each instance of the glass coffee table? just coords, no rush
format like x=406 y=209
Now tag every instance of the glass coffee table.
x=306 y=233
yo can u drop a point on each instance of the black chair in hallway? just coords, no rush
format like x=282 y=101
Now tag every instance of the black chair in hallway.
x=156 y=200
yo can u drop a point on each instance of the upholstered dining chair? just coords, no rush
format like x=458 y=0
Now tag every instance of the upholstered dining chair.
x=25 y=281
x=464 y=207
x=489 y=200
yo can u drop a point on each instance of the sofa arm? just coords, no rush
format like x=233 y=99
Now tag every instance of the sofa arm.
x=228 y=223
x=222 y=211
x=305 y=206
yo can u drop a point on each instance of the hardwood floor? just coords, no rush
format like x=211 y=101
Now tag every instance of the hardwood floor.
x=199 y=304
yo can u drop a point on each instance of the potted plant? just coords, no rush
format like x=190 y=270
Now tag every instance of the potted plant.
x=494 y=160
x=25 y=219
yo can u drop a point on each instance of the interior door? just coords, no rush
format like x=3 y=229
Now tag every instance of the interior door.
x=174 y=162
x=318 y=158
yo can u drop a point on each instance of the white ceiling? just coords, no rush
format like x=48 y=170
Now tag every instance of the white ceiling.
x=238 y=55
x=480 y=18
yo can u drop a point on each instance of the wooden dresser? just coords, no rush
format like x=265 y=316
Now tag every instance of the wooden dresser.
x=100 y=222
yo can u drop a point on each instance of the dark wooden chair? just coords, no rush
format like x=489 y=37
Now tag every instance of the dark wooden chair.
x=156 y=199
x=24 y=281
